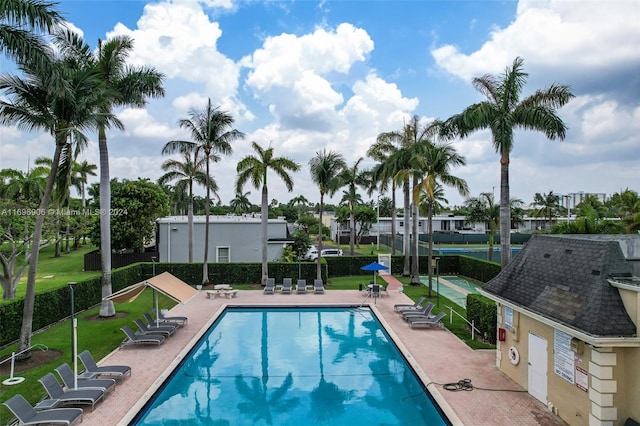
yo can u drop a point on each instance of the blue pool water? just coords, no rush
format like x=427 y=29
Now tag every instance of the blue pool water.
x=293 y=366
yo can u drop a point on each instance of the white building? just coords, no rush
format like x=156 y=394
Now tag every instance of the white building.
x=231 y=238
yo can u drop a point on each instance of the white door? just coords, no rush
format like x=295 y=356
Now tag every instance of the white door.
x=385 y=259
x=537 y=371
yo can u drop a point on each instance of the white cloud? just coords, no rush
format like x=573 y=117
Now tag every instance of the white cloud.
x=554 y=33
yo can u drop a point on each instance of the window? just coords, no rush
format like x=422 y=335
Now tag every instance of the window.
x=223 y=255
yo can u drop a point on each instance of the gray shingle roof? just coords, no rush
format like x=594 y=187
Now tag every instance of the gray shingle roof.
x=565 y=279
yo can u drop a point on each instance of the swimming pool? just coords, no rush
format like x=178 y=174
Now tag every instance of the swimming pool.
x=293 y=366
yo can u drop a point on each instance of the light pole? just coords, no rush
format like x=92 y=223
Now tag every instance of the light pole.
x=74 y=335
x=438 y=281
x=378 y=224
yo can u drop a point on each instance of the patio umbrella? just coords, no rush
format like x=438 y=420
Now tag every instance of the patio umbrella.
x=374 y=266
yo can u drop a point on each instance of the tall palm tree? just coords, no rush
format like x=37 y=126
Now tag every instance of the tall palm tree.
x=325 y=169
x=352 y=177
x=64 y=101
x=212 y=132
x=185 y=173
x=21 y=24
x=502 y=112
x=408 y=165
x=240 y=202
x=547 y=206
x=127 y=86
x=436 y=162
x=627 y=205
x=255 y=168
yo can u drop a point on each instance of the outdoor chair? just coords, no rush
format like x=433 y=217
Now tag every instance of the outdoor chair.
x=287 y=285
x=66 y=375
x=301 y=287
x=424 y=312
x=92 y=369
x=408 y=307
x=145 y=329
x=318 y=286
x=270 y=287
x=27 y=415
x=134 y=339
x=70 y=396
x=427 y=321
x=175 y=320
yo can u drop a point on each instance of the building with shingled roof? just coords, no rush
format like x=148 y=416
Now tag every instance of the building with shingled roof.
x=568 y=315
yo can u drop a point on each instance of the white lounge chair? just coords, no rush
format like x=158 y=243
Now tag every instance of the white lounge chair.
x=318 y=286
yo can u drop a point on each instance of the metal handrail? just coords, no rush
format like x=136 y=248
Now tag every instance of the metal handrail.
x=15 y=380
x=473 y=327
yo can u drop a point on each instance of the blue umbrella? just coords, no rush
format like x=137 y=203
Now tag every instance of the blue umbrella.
x=374 y=266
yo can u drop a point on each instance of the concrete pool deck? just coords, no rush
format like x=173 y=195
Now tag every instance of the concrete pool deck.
x=436 y=354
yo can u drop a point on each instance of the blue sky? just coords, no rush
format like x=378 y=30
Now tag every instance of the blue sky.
x=307 y=75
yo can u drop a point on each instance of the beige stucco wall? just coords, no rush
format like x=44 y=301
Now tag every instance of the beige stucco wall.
x=572 y=403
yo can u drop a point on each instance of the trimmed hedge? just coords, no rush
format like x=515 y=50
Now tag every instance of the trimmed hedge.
x=482 y=311
x=53 y=306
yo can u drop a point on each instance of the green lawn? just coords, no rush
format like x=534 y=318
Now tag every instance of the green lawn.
x=54 y=272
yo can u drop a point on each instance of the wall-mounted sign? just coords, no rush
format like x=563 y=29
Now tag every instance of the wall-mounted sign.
x=582 y=379
x=508 y=318
x=563 y=356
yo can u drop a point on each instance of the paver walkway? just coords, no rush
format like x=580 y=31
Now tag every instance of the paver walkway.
x=437 y=355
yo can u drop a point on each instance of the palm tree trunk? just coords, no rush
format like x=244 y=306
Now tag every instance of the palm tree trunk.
x=205 y=267
x=505 y=211
x=415 y=216
x=318 y=266
x=430 y=257
x=107 y=309
x=263 y=225
x=406 y=249
x=29 y=298
x=352 y=229
x=393 y=219
x=190 y=222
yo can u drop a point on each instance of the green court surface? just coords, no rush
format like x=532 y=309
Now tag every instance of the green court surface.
x=453 y=288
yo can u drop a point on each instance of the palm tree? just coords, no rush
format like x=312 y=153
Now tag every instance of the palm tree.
x=502 y=113
x=436 y=163
x=185 y=173
x=21 y=23
x=83 y=171
x=212 y=133
x=548 y=206
x=254 y=168
x=483 y=209
x=325 y=169
x=627 y=204
x=40 y=101
x=28 y=186
x=127 y=86
x=351 y=178
x=240 y=202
